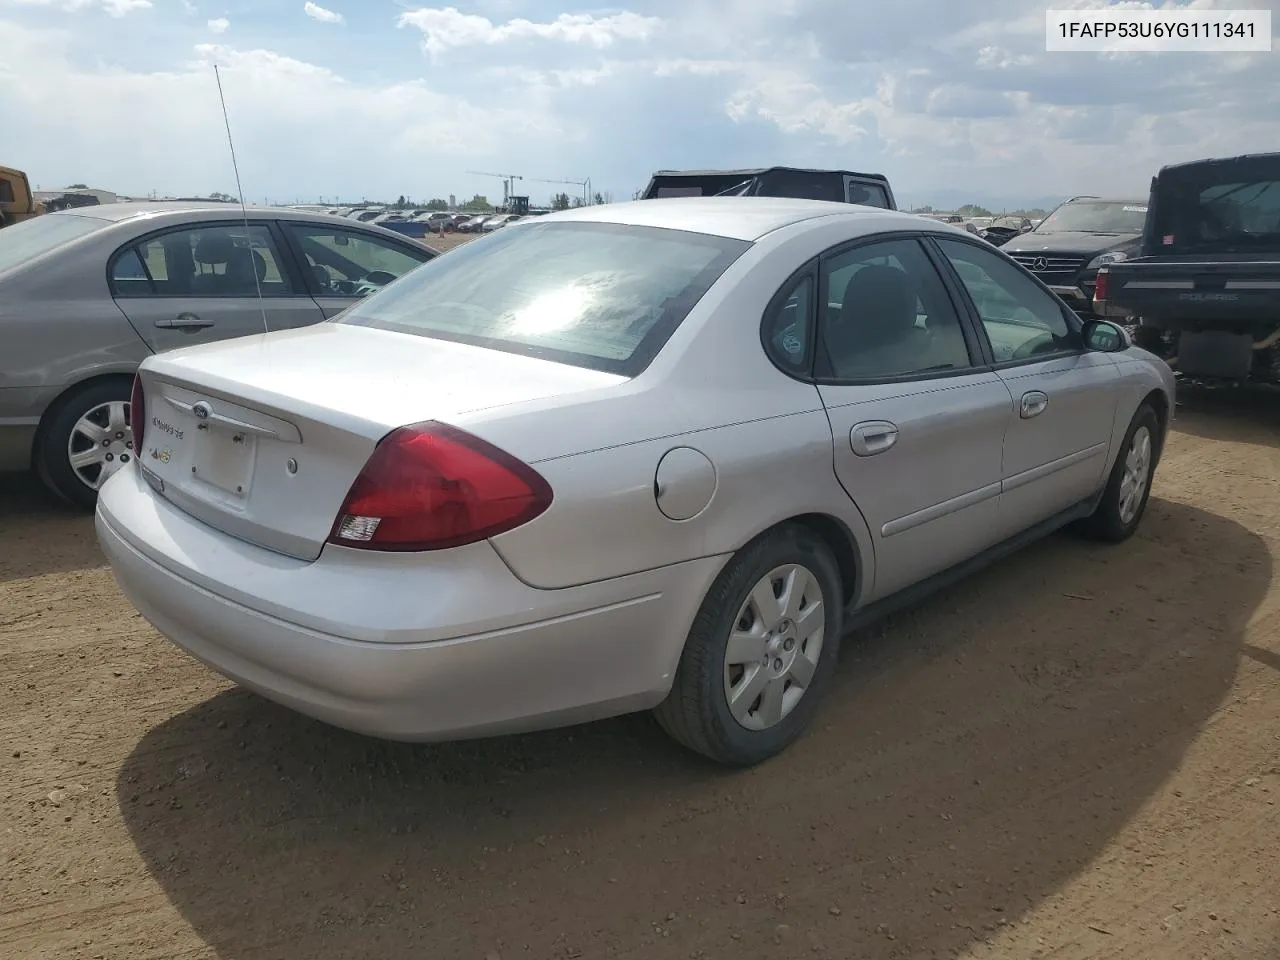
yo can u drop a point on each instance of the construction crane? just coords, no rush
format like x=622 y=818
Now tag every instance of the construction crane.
x=585 y=185
x=508 y=183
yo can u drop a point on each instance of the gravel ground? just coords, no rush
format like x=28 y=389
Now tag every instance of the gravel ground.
x=1075 y=754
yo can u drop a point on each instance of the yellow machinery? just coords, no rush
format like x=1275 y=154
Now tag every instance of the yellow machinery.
x=16 y=202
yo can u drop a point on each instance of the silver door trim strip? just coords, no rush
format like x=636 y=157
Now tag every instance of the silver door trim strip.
x=1053 y=466
x=1159 y=285
x=939 y=510
x=1253 y=285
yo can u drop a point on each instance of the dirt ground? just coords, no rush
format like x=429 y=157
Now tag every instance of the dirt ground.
x=1075 y=754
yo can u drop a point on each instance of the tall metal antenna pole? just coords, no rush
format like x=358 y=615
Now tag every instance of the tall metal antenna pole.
x=244 y=210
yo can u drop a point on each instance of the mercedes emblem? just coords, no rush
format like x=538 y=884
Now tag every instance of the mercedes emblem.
x=1039 y=264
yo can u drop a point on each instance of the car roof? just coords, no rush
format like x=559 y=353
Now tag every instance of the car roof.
x=179 y=209
x=739 y=218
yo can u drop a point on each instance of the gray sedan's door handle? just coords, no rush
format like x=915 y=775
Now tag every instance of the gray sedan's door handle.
x=183 y=321
x=872 y=437
x=1033 y=404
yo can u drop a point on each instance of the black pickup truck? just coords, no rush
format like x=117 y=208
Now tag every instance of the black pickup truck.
x=1205 y=288
x=842 y=186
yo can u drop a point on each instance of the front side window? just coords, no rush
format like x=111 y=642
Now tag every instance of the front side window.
x=214 y=260
x=598 y=295
x=1022 y=321
x=887 y=315
x=351 y=263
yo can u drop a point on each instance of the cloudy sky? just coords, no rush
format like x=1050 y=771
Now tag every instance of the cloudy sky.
x=953 y=99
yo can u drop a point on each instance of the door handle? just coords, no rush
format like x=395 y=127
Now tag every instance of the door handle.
x=183 y=321
x=872 y=437
x=1033 y=404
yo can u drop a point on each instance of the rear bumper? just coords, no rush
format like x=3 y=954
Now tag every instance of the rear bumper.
x=468 y=651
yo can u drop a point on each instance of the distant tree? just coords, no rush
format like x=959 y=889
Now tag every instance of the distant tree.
x=598 y=199
x=478 y=202
x=78 y=186
x=973 y=210
x=577 y=202
x=925 y=209
x=223 y=197
x=560 y=201
x=401 y=202
x=437 y=204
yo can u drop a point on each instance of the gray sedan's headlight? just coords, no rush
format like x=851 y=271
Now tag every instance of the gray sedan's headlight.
x=1111 y=256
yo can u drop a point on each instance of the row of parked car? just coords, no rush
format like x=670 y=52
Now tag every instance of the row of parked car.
x=420 y=223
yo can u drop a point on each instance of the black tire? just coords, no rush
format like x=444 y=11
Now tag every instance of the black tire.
x=1108 y=522
x=52 y=454
x=696 y=712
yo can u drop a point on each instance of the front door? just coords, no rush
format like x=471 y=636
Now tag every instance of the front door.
x=344 y=264
x=917 y=426
x=1065 y=398
x=196 y=284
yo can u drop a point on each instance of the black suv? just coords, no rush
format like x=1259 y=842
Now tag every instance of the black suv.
x=1066 y=249
x=841 y=186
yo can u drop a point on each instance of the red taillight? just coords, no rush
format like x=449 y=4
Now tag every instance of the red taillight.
x=137 y=414
x=430 y=486
x=1100 y=287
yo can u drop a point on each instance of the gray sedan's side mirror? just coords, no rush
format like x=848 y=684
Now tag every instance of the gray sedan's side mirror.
x=1104 y=336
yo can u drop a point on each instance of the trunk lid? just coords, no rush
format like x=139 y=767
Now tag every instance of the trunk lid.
x=261 y=437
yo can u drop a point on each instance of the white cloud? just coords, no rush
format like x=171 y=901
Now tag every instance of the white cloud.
x=447 y=28
x=317 y=12
x=113 y=8
x=958 y=96
x=219 y=25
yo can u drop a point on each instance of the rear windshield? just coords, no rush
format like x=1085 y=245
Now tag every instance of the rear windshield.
x=1096 y=217
x=1228 y=214
x=31 y=238
x=603 y=296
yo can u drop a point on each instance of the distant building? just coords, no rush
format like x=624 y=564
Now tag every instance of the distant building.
x=453 y=202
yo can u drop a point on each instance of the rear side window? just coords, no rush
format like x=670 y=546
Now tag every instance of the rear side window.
x=603 y=296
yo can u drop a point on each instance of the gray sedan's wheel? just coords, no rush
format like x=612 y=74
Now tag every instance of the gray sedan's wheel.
x=761 y=650
x=1129 y=486
x=85 y=439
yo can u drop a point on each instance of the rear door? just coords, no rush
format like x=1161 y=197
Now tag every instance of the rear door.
x=196 y=284
x=342 y=264
x=917 y=422
x=1064 y=396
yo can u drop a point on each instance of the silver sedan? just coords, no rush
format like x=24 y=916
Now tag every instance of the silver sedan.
x=649 y=455
x=85 y=295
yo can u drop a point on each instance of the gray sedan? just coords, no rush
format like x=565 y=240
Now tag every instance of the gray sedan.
x=86 y=295
x=648 y=455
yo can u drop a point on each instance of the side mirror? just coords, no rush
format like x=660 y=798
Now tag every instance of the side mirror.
x=1026 y=228
x=1104 y=336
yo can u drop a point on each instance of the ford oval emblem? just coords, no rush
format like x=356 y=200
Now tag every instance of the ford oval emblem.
x=202 y=410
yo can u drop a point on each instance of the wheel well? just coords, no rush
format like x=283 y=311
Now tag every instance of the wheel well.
x=57 y=401
x=1160 y=404
x=841 y=543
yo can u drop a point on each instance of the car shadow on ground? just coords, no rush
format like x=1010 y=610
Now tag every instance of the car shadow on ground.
x=972 y=756
x=42 y=534
x=1234 y=415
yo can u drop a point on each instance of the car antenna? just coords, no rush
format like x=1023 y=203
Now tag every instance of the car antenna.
x=244 y=210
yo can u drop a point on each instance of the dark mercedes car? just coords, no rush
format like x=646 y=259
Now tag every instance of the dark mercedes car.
x=1069 y=246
